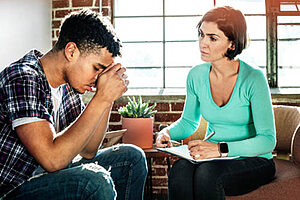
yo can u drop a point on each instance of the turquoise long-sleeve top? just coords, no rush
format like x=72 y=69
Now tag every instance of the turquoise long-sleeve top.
x=246 y=122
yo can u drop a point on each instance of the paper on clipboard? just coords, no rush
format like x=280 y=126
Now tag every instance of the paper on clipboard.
x=183 y=152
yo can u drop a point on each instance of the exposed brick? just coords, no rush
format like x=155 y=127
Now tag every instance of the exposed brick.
x=56 y=23
x=53 y=32
x=105 y=12
x=114 y=127
x=62 y=13
x=60 y=3
x=167 y=117
x=57 y=33
x=116 y=106
x=156 y=127
x=95 y=10
x=159 y=181
x=97 y=3
x=161 y=191
x=177 y=106
x=159 y=171
x=162 y=107
x=115 y=117
x=81 y=3
x=159 y=161
x=106 y=2
x=53 y=43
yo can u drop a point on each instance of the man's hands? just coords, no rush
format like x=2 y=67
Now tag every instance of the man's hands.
x=201 y=150
x=112 y=83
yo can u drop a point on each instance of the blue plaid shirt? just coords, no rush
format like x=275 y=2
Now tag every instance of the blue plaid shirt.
x=25 y=92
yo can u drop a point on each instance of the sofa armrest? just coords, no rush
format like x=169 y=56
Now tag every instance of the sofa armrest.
x=295 y=146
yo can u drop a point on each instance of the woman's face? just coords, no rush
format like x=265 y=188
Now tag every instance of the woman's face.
x=213 y=43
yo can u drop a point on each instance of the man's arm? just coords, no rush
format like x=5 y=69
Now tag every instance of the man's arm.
x=90 y=150
x=55 y=154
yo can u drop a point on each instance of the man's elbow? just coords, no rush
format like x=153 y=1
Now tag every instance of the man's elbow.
x=52 y=165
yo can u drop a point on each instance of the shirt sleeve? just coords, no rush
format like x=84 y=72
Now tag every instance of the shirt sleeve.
x=25 y=97
x=263 y=118
x=189 y=120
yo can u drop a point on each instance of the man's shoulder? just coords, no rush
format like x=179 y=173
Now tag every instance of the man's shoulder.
x=25 y=68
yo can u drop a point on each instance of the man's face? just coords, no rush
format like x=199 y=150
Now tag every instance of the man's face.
x=83 y=73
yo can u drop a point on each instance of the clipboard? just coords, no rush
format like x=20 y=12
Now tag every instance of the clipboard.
x=183 y=152
x=112 y=137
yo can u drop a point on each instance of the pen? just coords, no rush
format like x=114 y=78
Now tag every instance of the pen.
x=209 y=136
x=174 y=141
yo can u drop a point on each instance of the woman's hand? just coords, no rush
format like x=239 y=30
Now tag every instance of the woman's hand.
x=202 y=150
x=163 y=138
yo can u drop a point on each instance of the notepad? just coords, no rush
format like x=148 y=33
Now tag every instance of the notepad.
x=183 y=152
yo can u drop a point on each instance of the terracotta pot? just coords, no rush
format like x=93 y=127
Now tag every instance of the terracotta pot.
x=139 y=132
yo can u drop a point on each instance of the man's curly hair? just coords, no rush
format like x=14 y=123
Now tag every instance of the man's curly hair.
x=89 y=31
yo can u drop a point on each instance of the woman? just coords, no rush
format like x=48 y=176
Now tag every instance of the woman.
x=235 y=100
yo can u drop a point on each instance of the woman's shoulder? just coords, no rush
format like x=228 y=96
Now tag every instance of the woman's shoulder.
x=199 y=70
x=251 y=72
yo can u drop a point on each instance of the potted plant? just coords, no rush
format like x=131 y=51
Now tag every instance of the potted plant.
x=137 y=118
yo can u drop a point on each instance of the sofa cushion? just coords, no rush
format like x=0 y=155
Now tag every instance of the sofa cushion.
x=296 y=146
x=285 y=186
x=287 y=119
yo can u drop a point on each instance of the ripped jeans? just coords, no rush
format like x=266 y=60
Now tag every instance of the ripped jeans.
x=118 y=172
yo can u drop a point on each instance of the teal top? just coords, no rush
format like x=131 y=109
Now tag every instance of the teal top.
x=246 y=122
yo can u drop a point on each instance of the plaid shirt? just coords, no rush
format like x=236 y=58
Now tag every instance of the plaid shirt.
x=25 y=92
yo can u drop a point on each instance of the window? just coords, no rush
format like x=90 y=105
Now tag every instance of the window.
x=288 y=32
x=160 y=43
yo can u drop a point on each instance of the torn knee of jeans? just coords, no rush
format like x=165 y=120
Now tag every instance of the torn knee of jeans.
x=94 y=167
x=115 y=148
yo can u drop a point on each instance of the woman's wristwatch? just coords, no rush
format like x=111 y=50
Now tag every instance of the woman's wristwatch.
x=223 y=149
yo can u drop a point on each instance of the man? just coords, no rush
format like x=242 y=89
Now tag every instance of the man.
x=44 y=124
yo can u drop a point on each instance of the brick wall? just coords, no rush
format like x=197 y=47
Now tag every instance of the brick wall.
x=169 y=107
x=60 y=8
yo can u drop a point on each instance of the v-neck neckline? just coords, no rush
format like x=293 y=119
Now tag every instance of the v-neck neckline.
x=232 y=94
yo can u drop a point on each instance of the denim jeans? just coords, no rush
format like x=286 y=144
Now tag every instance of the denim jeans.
x=216 y=179
x=118 y=172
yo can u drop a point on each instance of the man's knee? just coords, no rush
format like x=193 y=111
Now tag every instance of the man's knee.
x=99 y=183
x=135 y=155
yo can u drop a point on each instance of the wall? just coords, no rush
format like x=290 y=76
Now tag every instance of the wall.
x=169 y=107
x=60 y=8
x=25 y=24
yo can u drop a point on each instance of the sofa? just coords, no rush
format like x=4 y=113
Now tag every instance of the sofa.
x=286 y=185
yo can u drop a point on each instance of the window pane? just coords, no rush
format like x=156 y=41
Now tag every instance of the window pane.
x=176 y=77
x=191 y=7
x=289 y=77
x=288 y=8
x=139 y=29
x=142 y=54
x=288 y=52
x=288 y=19
x=288 y=32
x=256 y=26
x=288 y=61
x=246 y=6
x=182 y=28
x=182 y=54
x=141 y=78
x=255 y=54
x=138 y=7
